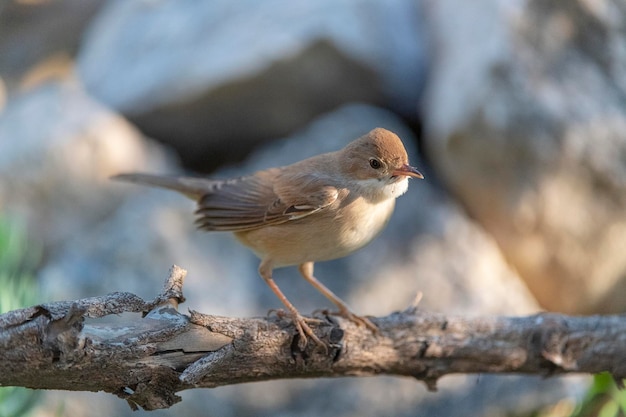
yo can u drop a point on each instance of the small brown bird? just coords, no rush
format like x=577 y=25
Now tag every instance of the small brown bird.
x=318 y=209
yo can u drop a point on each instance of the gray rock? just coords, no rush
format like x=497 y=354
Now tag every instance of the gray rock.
x=525 y=116
x=57 y=149
x=39 y=39
x=215 y=79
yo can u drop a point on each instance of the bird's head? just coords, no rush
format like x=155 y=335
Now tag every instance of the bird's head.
x=379 y=163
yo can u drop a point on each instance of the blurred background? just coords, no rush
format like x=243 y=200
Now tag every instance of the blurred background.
x=514 y=110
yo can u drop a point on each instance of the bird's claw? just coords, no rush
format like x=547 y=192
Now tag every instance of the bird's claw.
x=302 y=326
x=304 y=330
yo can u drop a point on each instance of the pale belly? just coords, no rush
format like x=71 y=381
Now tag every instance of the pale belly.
x=319 y=237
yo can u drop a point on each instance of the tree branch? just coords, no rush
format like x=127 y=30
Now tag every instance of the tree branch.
x=147 y=359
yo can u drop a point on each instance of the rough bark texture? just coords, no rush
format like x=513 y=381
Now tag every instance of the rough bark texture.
x=147 y=359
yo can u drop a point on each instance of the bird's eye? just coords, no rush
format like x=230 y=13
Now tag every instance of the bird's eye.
x=375 y=163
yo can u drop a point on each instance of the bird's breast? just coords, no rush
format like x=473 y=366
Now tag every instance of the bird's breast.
x=361 y=221
x=322 y=236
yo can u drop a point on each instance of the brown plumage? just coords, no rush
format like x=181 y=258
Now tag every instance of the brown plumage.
x=320 y=208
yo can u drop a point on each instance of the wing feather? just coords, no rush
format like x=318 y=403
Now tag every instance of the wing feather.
x=265 y=198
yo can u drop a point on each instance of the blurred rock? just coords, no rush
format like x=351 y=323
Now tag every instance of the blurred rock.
x=204 y=76
x=525 y=118
x=38 y=39
x=57 y=149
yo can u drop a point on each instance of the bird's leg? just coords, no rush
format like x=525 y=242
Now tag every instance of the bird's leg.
x=265 y=270
x=306 y=269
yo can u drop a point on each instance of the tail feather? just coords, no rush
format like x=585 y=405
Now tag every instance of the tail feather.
x=193 y=188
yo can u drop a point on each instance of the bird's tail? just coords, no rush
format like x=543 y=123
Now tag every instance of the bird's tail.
x=193 y=188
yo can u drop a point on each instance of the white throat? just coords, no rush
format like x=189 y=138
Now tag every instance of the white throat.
x=377 y=190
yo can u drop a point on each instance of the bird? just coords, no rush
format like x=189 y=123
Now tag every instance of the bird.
x=320 y=208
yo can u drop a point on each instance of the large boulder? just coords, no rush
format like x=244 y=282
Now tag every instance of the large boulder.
x=57 y=149
x=39 y=39
x=215 y=79
x=525 y=119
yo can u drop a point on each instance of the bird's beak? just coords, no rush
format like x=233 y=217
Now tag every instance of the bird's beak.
x=407 y=171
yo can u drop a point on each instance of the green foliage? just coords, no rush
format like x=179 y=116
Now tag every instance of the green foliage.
x=18 y=289
x=17 y=264
x=604 y=399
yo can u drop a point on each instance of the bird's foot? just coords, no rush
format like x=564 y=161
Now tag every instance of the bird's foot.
x=304 y=330
x=302 y=326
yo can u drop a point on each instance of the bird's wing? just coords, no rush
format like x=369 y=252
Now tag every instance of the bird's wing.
x=265 y=198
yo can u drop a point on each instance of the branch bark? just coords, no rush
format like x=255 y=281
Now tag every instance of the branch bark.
x=151 y=356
